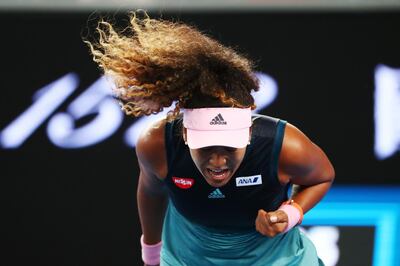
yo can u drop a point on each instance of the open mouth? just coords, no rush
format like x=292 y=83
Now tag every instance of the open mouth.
x=218 y=174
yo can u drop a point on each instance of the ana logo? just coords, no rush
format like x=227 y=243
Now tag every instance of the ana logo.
x=216 y=194
x=218 y=120
x=183 y=183
x=248 y=180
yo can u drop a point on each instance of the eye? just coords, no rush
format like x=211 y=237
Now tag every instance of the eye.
x=230 y=149
x=211 y=148
x=206 y=149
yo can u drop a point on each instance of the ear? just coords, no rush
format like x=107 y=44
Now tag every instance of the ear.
x=184 y=135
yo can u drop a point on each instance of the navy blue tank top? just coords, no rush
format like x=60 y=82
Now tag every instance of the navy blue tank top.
x=254 y=186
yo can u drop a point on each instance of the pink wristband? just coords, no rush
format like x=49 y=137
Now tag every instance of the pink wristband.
x=293 y=214
x=150 y=253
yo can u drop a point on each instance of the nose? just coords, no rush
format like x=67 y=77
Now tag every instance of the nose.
x=218 y=158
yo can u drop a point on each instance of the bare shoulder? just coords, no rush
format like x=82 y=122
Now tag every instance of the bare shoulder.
x=150 y=149
x=296 y=145
x=300 y=158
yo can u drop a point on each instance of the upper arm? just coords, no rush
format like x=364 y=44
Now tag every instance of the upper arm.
x=301 y=161
x=150 y=151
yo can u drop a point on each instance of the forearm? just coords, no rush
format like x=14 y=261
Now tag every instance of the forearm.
x=308 y=196
x=151 y=207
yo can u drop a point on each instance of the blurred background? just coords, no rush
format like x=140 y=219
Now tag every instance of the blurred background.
x=67 y=153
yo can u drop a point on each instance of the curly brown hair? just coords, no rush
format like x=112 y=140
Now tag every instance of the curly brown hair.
x=154 y=63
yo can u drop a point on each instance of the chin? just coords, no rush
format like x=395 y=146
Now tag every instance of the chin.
x=217 y=183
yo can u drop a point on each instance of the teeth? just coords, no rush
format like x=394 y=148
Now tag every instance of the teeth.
x=217 y=170
x=218 y=173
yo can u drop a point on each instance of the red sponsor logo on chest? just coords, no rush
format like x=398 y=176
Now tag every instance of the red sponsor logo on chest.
x=184 y=183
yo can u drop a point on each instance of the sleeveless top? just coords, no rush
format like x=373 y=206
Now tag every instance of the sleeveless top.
x=254 y=185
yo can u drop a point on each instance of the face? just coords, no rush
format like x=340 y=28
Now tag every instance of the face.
x=218 y=163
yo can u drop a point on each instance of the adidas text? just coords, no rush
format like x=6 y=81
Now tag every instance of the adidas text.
x=217 y=123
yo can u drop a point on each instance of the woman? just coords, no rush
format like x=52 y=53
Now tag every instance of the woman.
x=213 y=184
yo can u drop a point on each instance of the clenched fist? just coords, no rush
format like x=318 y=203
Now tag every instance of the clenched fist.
x=271 y=223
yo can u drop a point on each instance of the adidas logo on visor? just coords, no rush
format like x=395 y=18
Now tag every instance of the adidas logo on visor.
x=218 y=120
